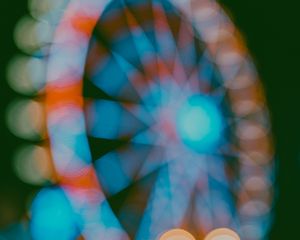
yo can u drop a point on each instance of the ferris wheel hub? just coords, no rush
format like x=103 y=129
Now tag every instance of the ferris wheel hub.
x=199 y=123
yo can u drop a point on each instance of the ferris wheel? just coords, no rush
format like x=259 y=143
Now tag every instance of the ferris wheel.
x=156 y=120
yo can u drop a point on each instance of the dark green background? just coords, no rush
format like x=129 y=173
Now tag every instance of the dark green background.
x=272 y=33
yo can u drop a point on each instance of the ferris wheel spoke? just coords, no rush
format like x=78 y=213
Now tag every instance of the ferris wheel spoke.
x=205 y=79
x=118 y=169
x=165 y=41
x=147 y=56
x=167 y=45
x=172 y=192
x=109 y=120
x=141 y=112
x=186 y=48
x=154 y=68
x=145 y=48
x=111 y=77
x=134 y=76
x=153 y=162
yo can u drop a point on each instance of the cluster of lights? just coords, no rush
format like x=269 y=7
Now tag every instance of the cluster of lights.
x=26 y=74
x=56 y=35
x=217 y=234
x=26 y=115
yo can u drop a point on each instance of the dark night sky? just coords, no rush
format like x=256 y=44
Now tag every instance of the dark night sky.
x=271 y=31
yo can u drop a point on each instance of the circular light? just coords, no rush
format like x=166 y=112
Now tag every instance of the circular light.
x=31 y=35
x=41 y=8
x=26 y=75
x=48 y=11
x=52 y=216
x=199 y=123
x=33 y=165
x=25 y=119
x=222 y=234
x=177 y=234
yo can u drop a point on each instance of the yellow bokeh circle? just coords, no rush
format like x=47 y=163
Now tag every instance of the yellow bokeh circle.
x=177 y=234
x=222 y=234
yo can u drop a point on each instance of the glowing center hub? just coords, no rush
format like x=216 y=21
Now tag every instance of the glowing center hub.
x=199 y=123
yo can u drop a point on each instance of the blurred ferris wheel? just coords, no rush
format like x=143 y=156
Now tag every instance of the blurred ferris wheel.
x=153 y=118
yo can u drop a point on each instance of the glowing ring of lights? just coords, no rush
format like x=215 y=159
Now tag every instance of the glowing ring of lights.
x=66 y=120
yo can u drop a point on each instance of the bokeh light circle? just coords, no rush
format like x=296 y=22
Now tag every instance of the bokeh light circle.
x=177 y=234
x=27 y=75
x=33 y=36
x=52 y=216
x=199 y=123
x=33 y=165
x=222 y=234
x=25 y=118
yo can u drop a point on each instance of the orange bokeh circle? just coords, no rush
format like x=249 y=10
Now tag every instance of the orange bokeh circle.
x=177 y=234
x=222 y=234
